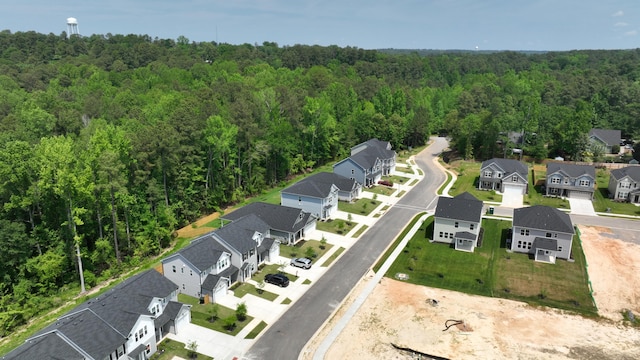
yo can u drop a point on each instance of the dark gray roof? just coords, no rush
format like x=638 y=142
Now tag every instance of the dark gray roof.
x=343 y=183
x=202 y=252
x=378 y=148
x=573 y=170
x=111 y=314
x=313 y=186
x=631 y=171
x=170 y=312
x=212 y=280
x=509 y=166
x=607 y=136
x=79 y=327
x=283 y=218
x=366 y=159
x=543 y=218
x=239 y=234
x=465 y=235
x=50 y=346
x=545 y=243
x=464 y=207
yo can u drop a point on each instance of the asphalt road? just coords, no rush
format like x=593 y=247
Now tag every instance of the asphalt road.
x=286 y=338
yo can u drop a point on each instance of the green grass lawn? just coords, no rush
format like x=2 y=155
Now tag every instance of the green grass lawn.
x=215 y=223
x=468 y=173
x=201 y=315
x=381 y=189
x=396 y=179
x=246 y=288
x=174 y=348
x=489 y=270
x=301 y=249
x=405 y=169
x=363 y=206
x=601 y=201
x=256 y=330
x=333 y=257
x=441 y=189
x=336 y=226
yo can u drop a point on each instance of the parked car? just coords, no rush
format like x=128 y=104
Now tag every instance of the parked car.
x=277 y=279
x=304 y=263
x=385 y=182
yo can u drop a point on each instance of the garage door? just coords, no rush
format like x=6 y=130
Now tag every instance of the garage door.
x=580 y=195
x=219 y=292
x=513 y=189
x=183 y=319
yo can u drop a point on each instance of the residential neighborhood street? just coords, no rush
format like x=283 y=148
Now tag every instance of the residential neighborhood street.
x=286 y=338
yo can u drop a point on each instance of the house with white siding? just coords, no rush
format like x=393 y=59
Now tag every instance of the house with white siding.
x=457 y=221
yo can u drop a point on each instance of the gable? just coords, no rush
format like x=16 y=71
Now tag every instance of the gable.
x=543 y=218
x=464 y=207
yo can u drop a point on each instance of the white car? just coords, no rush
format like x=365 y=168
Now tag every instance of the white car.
x=301 y=263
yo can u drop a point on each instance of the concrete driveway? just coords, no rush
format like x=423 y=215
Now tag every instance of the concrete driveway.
x=581 y=207
x=512 y=197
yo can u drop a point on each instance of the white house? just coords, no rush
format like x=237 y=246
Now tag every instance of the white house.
x=457 y=221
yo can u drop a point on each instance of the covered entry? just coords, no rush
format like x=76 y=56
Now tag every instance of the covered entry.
x=465 y=241
x=545 y=250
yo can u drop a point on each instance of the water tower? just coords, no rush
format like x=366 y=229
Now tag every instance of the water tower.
x=72 y=26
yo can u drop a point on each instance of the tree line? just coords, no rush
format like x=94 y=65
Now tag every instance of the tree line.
x=109 y=143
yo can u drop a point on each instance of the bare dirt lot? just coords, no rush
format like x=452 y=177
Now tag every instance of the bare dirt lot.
x=400 y=313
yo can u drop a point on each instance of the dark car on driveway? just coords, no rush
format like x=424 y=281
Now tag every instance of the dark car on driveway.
x=304 y=263
x=277 y=279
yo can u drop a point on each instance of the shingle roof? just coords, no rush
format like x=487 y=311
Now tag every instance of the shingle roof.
x=202 y=252
x=573 y=170
x=283 y=218
x=170 y=312
x=509 y=166
x=212 y=280
x=465 y=235
x=464 y=207
x=79 y=327
x=239 y=234
x=378 y=148
x=607 y=136
x=543 y=218
x=50 y=346
x=545 y=243
x=365 y=159
x=631 y=171
x=311 y=186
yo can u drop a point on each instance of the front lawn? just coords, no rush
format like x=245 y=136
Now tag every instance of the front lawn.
x=201 y=315
x=381 y=189
x=396 y=179
x=301 y=249
x=246 y=288
x=363 y=206
x=491 y=271
x=468 y=173
x=169 y=349
x=337 y=226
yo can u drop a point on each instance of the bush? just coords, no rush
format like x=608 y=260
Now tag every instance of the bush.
x=230 y=322
x=241 y=312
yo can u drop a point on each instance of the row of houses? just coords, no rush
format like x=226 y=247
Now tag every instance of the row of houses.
x=138 y=313
x=542 y=231
x=562 y=179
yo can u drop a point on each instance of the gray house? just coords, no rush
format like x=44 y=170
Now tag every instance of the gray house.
x=126 y=322
x=570 y=180
x=288 y=225
x=457 y=221
x=543 y=231
x=313 y=195
x=624 y=184
x=369 y=161
x=504 y=175
x=211 y=263
x=606 y=137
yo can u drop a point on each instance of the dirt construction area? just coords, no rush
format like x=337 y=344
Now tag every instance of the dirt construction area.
x=402 y=314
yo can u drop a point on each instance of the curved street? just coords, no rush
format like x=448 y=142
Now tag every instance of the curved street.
x=286 y=338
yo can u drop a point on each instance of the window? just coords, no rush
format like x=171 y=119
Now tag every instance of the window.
x=555 y=180
x=529 y=245
x=353 y=171
x=148 y=349
x=487 y=174
x=446 y=235
x=499 y=175
x=145 y=329
x=182 y=269
x=519 y=244
x=136 y=337
x=585 y=183
x=559 y=248
x=524 y=232
x=471 y=226
x=514 y=179
x=190 y=272
x=140 y=333
x=183 y=287
x=456 y=224
x=547 y=235
x=173 y=267
x=441 y=234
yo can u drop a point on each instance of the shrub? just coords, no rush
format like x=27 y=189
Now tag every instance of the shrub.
x=241 y=312
x=230 y=322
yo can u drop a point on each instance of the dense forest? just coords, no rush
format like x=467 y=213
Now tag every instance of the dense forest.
x=109 y=143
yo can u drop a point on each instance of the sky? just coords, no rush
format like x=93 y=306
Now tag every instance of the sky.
x=554 y=25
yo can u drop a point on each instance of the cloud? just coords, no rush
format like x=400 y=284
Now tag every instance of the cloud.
x=618 y=13
x=621 y=24
x=631 y=33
